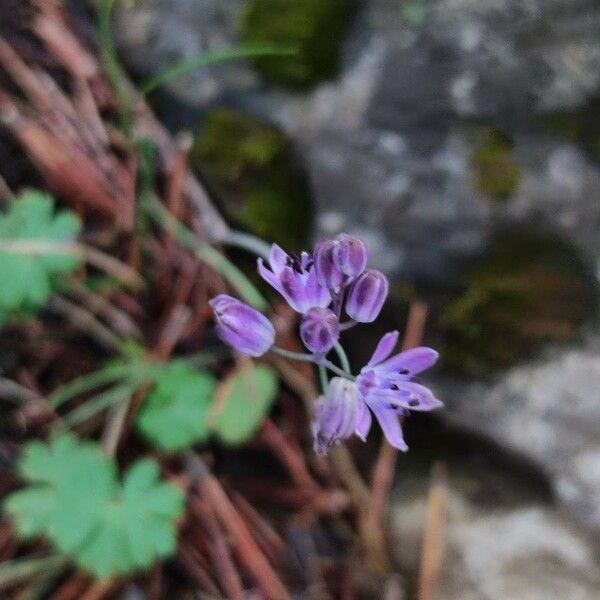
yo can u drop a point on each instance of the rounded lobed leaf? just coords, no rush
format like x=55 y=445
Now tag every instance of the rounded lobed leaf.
x=249 y=396
x=28 y=276
x=174 y=414
x=74 y=499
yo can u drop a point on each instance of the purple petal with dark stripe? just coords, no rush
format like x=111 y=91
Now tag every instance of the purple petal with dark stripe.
x=363 y=421
x=390 y=425
x=384 y=348
x=409 y=363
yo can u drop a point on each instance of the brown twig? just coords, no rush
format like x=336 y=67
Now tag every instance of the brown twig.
x=433 y=538
x=186 y=558
x=219 y=551
x=118 y=319
x=245 y=545
x=290 y=457
x=72 y=588
x=266 y=536
x=383 y=471
x=84 y=320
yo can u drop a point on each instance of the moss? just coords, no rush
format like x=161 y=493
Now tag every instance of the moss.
x=495 y=171
x=581 y=126
x=249 y=165
x=315 y=28
x=529 y=290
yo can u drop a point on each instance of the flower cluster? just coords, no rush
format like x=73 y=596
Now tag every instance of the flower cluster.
x=331 y=284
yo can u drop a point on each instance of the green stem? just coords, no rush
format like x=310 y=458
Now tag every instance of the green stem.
x=99 y=403
x=203 y=60
x=112 y=64
x=312 y=359
x=323 y=378
x=248 y=242
x=343 y=357
x=17 y=570
x=244 y=287
x=87 y=383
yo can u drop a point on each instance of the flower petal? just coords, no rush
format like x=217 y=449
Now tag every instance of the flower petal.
x=268 y=275
x=293 y=290
x=316 y=295
x=420 y=397
x=410 y=362
x=390 y=425
x=363 y=421
x=277 y=259
x=384 y=348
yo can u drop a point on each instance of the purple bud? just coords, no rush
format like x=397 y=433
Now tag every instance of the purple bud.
x=367 y=295
x=319 y=330
x=241 y=326
x=335 y=414
x=350 y=255
x=328 y=274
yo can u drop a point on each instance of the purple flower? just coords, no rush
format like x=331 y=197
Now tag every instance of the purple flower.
x=350 y=255
x=387 y=390
x=295 y=279
x=367 y=295
x=339 y=261
x=328 y=273
x=241 y=326
x=335 y=414
x=319 y=330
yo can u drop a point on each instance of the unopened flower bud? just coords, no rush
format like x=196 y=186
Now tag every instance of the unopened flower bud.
x=241 y=326
x=367 y=295
x=335 y=414
x=319 y=330
x=328 y=273
x=350 y=255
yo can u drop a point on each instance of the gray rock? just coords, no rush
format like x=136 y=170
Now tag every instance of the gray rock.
x=549 y=413
x=388 y=144
x=519 y=553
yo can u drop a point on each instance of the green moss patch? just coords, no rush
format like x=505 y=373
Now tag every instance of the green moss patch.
x=249 y=164
x=495 y=170
x=529 y=290
x=315 y=28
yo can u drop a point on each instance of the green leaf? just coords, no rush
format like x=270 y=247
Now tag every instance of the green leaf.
x=174 y=414
x=28 y=277
x=75 y=500
x=250 y=395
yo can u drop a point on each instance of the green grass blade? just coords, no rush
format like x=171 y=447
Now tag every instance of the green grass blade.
x=87 y=383
x=211 y=58
x=99 y=403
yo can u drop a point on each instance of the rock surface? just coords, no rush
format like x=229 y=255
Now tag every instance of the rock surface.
x=547 y=412
x=389 y=144
x=525 y=553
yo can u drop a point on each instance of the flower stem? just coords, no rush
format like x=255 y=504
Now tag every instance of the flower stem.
x=313 y=359
x=348 y=324
x=248 y=242
x=208 y=254
x=323 y=378
x=342 y=356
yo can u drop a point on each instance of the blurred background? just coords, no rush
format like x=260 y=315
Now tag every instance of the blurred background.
x=461 y=139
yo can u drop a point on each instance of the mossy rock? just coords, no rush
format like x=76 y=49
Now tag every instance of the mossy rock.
x=250 y=166
x=314 y=28
x=495 y=170
x=530 y=289
x=581 y=126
